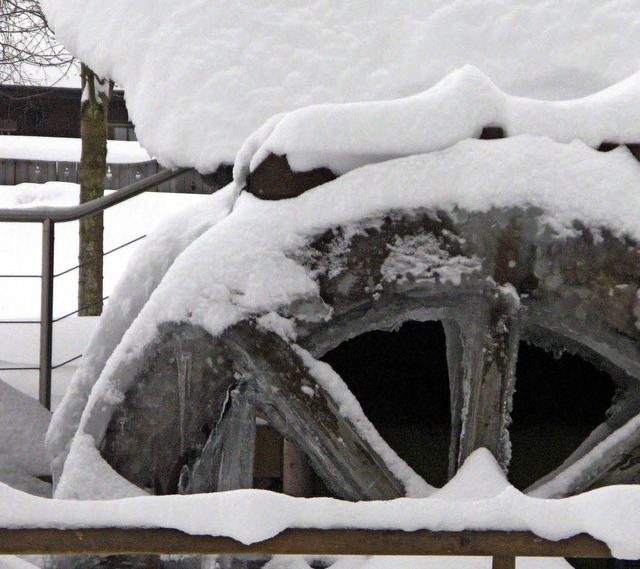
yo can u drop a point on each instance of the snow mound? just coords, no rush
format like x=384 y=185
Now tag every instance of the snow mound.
x=480 y=478
x=201 y=76
x=347 y=136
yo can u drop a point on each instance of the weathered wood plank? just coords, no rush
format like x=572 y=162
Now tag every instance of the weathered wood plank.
x=227 y=459
x=273 y=179
x=490 y=345
x=298 y=542
x=297 y=474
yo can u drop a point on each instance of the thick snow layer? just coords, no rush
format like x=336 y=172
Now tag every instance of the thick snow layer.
x=67 y=149
x=242 y=265
x=609 y=514
x=347 y=136
x=201 y=76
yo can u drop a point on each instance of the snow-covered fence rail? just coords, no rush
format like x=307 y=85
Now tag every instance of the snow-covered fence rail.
x=119 y=175
x=503 y=546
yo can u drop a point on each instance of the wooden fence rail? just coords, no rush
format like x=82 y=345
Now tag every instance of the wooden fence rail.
x=504 y=547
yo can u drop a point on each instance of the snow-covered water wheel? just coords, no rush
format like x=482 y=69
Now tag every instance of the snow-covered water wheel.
x=493 y=278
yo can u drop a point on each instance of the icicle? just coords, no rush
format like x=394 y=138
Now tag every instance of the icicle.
x=183 y=362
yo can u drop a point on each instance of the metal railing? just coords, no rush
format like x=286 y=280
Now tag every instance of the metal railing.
x=48 y=217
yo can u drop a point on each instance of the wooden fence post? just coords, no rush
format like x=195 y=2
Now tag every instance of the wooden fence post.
x=503 y=562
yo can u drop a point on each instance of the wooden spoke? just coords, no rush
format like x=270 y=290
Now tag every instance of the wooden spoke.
x=614 y=460
x=300 y=409
x=490 y=347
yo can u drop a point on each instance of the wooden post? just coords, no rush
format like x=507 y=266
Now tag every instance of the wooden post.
x=297 y=475
x=503 y=562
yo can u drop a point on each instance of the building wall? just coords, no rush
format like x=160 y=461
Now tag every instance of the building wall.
x=50 y=111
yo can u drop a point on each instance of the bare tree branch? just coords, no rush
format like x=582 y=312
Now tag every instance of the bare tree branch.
x=27 y=43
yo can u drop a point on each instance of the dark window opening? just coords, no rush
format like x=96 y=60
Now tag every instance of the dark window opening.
x=401 y=380
x=557 y=403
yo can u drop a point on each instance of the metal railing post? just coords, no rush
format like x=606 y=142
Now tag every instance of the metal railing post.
x=46 y=312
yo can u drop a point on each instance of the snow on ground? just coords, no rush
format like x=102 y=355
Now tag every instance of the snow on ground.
x=67 y=149
x=14 y=562
x=199 y=77
x=478 y=497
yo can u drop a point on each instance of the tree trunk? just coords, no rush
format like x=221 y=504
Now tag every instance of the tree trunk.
x=93 y=168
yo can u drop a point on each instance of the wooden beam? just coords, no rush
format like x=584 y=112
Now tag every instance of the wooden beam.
x=297 y=542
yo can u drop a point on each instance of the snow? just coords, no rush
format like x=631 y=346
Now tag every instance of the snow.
x=199 y=77
x=609 y=514
x=60 y=149
x=347 y=136
x=14 y=562
x=418 y=255
x=127 y=221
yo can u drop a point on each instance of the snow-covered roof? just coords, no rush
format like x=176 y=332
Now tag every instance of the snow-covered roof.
x=201 y=76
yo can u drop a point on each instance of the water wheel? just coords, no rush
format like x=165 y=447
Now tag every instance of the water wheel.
x=187 y=422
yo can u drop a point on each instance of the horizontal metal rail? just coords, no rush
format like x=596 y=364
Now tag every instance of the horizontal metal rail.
x=93 y=260
x=497 y=544
x=20 y=276
x=73 y=213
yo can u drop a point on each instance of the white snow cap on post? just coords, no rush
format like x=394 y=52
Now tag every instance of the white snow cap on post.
x=201 y=76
